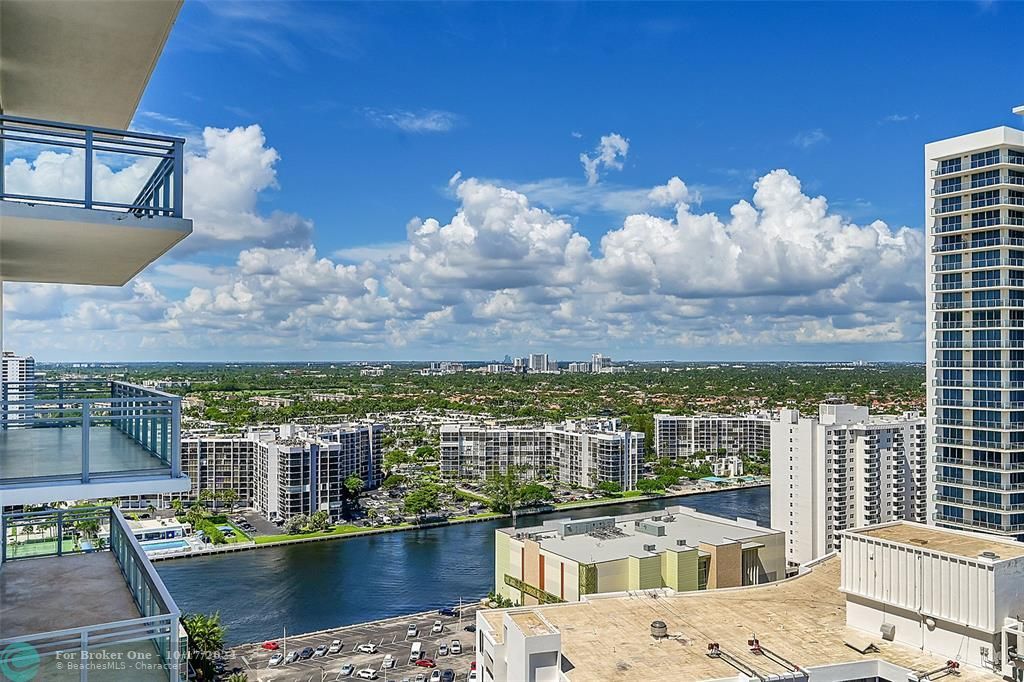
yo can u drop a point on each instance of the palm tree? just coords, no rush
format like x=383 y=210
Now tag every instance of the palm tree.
x=238 y=677
x=206 y=637
x=178 y=506
x=229 y=496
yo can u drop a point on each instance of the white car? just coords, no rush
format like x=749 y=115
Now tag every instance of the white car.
x=370 y=648
x=335 y=647
x=438 y=627
x=389 y=661
x=456 y=647
x=472 y=676
x=442 y=650
x=276 y=658
x=435 y=676
x=367 y=674
x=412 y=630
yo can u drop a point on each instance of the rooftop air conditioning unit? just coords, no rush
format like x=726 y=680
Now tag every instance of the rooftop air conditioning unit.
x=888 y=631
x=649 y=548
x=681 y=542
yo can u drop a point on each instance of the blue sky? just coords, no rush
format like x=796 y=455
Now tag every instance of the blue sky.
x=372 y=109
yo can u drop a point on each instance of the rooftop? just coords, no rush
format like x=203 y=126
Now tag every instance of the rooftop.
x=530 y=623
x=687 y=525
x=957 y=543
x=802 y=620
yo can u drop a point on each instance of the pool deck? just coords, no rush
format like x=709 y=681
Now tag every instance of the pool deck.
x=57 y=452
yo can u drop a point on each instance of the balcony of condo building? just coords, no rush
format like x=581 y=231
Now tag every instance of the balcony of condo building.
x=76 y=588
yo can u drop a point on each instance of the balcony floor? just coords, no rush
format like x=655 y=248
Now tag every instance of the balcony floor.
x=37 y=453
x=58 y=593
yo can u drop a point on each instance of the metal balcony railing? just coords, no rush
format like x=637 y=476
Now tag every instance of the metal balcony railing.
x=87 y=429
x=981 y=264
x=162 y=156
x=84 y=530
x=974 y=523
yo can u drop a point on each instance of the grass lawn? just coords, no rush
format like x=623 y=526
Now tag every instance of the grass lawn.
x=336 y=530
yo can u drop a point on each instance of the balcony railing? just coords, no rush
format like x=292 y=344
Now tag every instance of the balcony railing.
x=973 y=523
x=99 y=150
x=967 y=502
x=977 y=244
x=154 y=632
x=83 y=430
x=993 y=263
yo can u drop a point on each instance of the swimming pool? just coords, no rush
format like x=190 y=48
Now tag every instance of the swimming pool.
x=163 y=545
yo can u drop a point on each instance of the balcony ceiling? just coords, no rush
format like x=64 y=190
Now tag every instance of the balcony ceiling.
x=66 y=245
x=80 y=62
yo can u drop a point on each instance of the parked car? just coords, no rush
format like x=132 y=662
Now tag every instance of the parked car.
x=412 y=630
x=369 y=648
x=421 y=678
x=389 y=661
x=456 y=647
x=292 y=657
x=448 y=675
x=306 y=653
x=442 y=649
x=472 y=676
x=426 y=663
x=271 y=646
x=320 y=650
x=437 y=627
x=347 y=669
x=435 y=676
x=367 y=674
x=277 y=658
x=335 y=647
x=446 y=612
x=470 y=628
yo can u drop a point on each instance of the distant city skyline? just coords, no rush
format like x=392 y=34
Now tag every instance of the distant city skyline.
x=385 y=182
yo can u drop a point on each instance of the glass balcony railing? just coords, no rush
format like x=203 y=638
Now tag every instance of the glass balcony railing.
x=87 y=430
x=111 y=603
x=159 y=160
x=974 y=523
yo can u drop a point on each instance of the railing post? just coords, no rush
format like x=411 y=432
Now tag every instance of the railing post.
x=60 y=532
x=179 y=177
x=88 y=168
x=3 y=538
x=85 y=440
x=83 y=674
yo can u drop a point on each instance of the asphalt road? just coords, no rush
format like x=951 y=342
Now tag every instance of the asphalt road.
x=390 y=637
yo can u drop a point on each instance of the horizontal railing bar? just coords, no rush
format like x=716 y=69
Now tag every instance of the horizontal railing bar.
x=105 y=131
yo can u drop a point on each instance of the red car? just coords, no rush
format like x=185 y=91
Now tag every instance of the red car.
x=271 y=646
x=426 y=663
x=472 y=666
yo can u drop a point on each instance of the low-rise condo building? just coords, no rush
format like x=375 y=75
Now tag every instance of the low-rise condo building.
x=77 y=590
x=842 y=469
x=904 y=601
x=679 y=549
x=582 y=453
x=684 y=436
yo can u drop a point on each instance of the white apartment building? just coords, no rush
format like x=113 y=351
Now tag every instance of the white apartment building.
x=579 y=367
x=580 y=453
x=841 y=469
x=16 y=373
x=681 y=437
x=729 y=466
x=974 y=194
x=599 y=362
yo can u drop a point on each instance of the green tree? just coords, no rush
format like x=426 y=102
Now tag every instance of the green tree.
x=206 y=636
x=609 y=487
x=206 y=496
x=178 y=506
x=533 y=494
x=395 y=458
x=393 y=481
x=649 y=485
x=504 y=490
x=422 y=500
x=425 y=452
x=238 y=677
x=195 y=515
x=296 y=524
x=319 y=520
x=353 y=486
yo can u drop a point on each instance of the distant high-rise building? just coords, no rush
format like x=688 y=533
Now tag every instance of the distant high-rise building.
x=844 y=469
x=599 y=362
x=974 y=193
x=540 y=362
x=507 y=360
x=579 y=367
x=15 y=373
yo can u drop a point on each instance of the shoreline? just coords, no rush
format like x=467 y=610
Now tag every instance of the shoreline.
x=607 y=501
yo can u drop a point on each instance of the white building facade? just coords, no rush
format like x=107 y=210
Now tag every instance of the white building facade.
x=974 y=193
x=683 y=436
x=841 y=469
x=578 y=453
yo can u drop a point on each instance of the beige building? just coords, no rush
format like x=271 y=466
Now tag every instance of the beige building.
x=910 y=602
x=679 y=549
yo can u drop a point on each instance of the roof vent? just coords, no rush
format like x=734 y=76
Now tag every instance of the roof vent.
x=888 y=631
x=649 y=548
x=989 y=555
x=658 y=629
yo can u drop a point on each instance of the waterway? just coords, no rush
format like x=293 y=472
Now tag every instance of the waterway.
x=318 y=585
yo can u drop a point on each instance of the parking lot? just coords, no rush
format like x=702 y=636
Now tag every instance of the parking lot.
x=389 y=637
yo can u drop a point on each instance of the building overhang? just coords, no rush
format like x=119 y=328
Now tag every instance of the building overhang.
x=106 y=489
x=71 y=245
x=80 y=62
